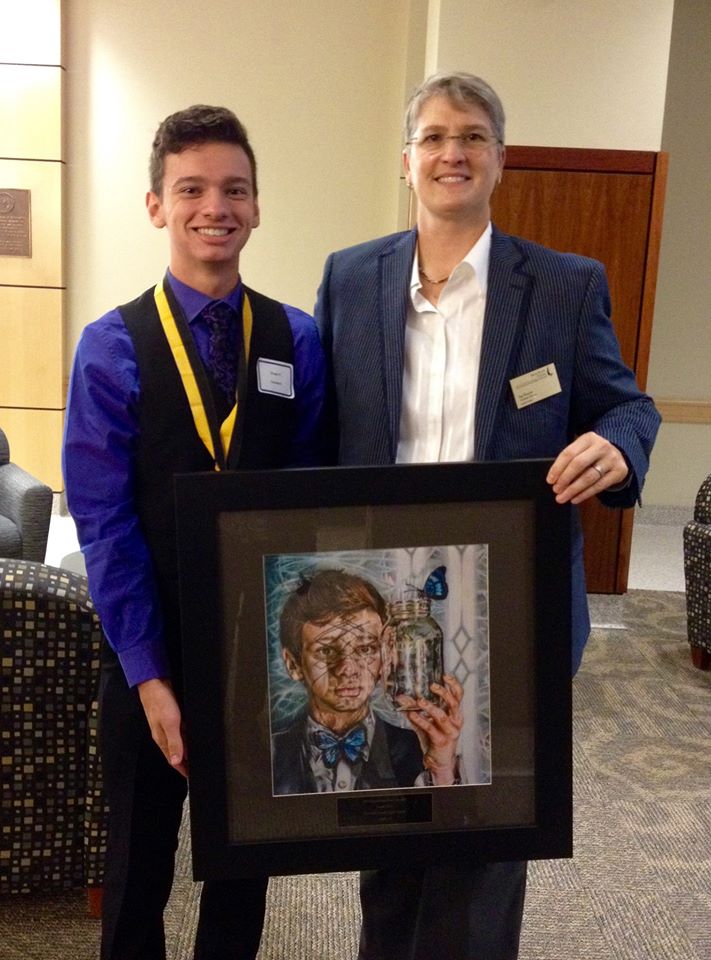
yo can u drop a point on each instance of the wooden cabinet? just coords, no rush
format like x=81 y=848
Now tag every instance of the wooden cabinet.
x=605 y=204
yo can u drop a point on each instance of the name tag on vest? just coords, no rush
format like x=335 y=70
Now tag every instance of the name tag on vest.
x=275 y=377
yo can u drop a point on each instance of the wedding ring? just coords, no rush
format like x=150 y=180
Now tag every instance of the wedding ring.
x=599 y=470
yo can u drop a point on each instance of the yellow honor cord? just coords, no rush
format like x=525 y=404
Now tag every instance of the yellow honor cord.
x=187 y=374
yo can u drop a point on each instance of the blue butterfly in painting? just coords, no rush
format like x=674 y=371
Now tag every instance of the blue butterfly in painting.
x=436 y=585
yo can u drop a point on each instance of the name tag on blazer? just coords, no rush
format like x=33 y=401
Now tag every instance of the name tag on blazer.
x=275 y=377
x=534 y=386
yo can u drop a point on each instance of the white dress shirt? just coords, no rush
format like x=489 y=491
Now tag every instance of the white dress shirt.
x=442 y=353
x=344 y=775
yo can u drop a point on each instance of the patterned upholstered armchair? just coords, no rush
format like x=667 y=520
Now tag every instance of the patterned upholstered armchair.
x=53 y=817
x=697 y=569
x=25 y=510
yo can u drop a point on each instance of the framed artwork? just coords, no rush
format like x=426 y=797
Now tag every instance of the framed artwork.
x=376 y=666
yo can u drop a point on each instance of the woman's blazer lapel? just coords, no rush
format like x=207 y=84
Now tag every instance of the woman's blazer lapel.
x=508 y=292
x=394 y=269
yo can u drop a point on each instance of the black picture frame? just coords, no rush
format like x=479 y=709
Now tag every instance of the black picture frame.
x=229 y=522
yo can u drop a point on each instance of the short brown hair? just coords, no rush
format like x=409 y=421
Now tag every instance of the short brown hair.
x=462 y=89
x=319 y=598
x=194 y=125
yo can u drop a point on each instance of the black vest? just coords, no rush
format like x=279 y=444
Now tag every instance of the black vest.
x=168 y=442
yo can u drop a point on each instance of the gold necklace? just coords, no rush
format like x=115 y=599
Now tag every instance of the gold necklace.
x=436 y=283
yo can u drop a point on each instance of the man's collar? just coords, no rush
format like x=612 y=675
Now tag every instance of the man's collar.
x=194 y=301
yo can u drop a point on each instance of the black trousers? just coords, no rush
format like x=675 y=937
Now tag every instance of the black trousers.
x=461 y=912
x=145 y=797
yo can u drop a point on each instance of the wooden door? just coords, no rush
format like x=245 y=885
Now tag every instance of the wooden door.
x=605 y=204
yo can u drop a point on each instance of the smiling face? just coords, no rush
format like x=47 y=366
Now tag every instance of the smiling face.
x=209 y=208
x=340 y=664
x=453 y=183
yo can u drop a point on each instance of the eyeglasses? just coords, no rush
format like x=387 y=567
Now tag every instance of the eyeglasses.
x=472 y=142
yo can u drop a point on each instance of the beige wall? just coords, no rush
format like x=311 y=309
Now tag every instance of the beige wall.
x=570 y=74
x=680 y=361
x=320 y=86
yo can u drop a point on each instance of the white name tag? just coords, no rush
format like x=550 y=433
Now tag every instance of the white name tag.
x=534 y=386
x=275 y=377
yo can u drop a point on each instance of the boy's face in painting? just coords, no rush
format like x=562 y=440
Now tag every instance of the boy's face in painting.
x=341 y=662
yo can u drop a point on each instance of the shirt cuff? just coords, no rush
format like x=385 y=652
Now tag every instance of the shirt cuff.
x=142 y=663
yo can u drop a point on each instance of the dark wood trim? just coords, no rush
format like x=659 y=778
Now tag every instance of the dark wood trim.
x=574 y=158
x=94 y=900
x=624 y=551
x=649 y=288
x=701 y=657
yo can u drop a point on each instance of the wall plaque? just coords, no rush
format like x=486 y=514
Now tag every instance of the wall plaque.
x=15 y=232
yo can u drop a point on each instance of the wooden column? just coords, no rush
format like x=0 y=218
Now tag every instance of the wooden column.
x=32 y=388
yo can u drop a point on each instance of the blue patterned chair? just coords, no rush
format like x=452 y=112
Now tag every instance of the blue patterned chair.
x=53 y=833
x=25 y=510
x=697 y=569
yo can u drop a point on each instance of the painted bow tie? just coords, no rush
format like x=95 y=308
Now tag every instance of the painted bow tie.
x=351 y=746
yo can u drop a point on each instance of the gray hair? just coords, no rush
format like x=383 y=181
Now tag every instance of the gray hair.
x=461 y=88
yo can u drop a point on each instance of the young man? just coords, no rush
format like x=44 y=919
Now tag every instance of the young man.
x=198 y=373
x=331 y=631
x=427 y=332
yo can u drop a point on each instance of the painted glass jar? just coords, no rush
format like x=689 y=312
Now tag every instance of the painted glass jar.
x=415 y=640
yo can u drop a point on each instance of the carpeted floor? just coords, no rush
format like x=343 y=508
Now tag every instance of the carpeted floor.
x=639 y=885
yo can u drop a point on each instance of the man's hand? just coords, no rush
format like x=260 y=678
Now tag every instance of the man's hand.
x=163 y=715
x=585 y=468
x=438 y=728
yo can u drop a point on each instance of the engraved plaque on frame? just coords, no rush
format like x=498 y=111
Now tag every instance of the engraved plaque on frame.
x=15 y=229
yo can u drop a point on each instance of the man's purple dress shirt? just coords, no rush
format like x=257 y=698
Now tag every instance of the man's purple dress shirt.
x=100 y=440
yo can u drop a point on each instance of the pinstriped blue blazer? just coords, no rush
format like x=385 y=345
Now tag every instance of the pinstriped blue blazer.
x=542 y=307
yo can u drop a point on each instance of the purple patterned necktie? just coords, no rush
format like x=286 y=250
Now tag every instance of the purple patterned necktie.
x=223 y=360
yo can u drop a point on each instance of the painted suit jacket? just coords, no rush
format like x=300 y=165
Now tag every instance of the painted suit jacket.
x=394 y=759
x=542 y=308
